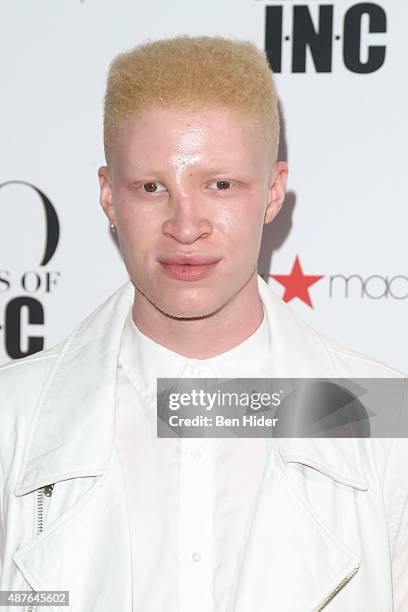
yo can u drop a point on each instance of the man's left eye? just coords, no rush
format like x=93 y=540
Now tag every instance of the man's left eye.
x=222 y=185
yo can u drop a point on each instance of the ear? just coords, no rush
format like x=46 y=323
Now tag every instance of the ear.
x=105 y=197
x=276 y=191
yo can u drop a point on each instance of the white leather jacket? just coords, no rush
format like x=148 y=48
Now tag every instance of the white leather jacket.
x=330 y=528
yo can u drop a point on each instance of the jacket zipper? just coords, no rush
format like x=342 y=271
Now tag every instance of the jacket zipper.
x=47 y=492
x=338 y=588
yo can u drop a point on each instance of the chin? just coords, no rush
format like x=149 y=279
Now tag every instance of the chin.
x=201 y=303
x=193 y=312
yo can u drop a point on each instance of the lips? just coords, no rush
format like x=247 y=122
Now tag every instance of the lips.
x=189 y=259
x=188 y=266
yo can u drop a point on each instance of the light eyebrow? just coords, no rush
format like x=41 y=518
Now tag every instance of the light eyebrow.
x=226 y=172
x=148 y=171
x=222 y=171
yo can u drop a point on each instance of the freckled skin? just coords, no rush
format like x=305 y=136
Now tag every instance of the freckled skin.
x=162 y=192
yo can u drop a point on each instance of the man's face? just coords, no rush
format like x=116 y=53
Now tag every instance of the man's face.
x=190 y=186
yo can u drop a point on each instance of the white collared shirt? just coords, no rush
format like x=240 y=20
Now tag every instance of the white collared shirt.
x=190 y=500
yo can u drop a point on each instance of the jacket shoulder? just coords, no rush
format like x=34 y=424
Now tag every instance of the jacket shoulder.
x=351 y=363
x=21 y=381
x=389 y=455
x=34 y=363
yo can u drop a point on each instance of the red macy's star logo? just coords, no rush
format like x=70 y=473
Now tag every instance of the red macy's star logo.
x=296 y=283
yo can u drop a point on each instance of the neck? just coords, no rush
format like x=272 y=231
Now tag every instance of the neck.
x=203 y=338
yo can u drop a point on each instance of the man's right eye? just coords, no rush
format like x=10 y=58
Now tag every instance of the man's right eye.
x=151 y=187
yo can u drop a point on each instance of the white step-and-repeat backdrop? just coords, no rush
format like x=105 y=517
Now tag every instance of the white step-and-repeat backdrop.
x=337 y=253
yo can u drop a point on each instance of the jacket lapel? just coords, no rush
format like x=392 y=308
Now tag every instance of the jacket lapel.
x=74 y=422
x=291 y=552
x=292 y=561
x=86 y=550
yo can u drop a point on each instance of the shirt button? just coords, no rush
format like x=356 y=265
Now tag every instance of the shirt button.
x=196 y=557
x=196 y=454
x=196 y=371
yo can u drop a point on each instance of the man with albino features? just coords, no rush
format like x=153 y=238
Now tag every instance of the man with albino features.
x=92 y=501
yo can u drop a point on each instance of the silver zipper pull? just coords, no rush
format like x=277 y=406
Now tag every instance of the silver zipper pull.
x=338 y=588
x=48 y=490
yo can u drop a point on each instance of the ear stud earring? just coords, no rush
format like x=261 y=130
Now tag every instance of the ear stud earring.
x=112 y=227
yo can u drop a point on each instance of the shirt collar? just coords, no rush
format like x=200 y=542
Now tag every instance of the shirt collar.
x=143 y=359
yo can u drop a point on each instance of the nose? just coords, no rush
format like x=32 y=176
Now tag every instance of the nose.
x=186 y=222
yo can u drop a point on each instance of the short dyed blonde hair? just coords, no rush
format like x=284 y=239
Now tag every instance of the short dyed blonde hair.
x=192 y=73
